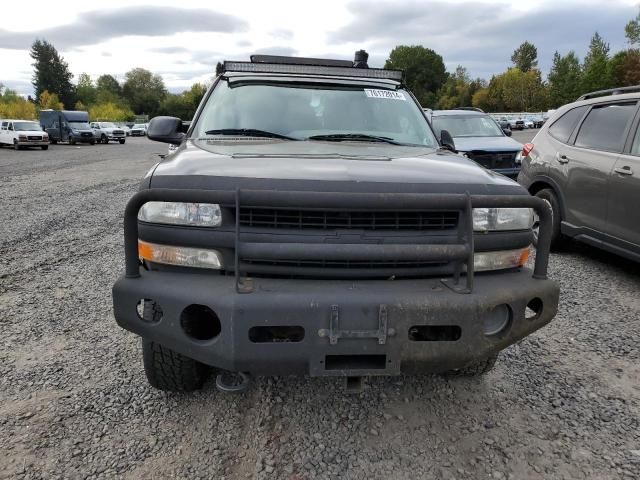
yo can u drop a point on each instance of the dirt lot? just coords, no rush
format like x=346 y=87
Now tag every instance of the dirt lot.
x=74 y=403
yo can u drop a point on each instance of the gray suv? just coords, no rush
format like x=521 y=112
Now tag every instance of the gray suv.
x=586 y=163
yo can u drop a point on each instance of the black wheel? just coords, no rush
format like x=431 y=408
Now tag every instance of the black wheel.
x=104 y=139
x=557 y=239
x=92 y=142
x=72 y=141
x=53 y=142
x=16 y=146
x=122 y=141
x=44 y=147
x=166 y=369
x=474 y=369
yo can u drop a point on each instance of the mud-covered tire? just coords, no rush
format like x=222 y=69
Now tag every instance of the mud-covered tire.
x=168 y=370
x=558 y=240
x=474 y=369
x=171 y=371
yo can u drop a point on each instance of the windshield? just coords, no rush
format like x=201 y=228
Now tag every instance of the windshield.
x=471 y=126
x=79 y=125
x=138 y=125
x=107 y=125
x=26 y=126
x=302 y=111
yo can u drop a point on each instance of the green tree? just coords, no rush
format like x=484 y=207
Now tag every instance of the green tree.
x=85 y=90
x=458 y=90
x=565 y=79
x=632 y=31
x=51 y=72
x=525 y=57
x=595 y=69
x=523 y=91
x=424 y=71
x=143 y=91
x=183 y=105
x=108 y=90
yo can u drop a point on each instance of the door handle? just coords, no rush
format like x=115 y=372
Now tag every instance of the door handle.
x=562 y=158
x=626 y=170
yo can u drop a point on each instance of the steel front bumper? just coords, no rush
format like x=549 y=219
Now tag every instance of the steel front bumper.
x=350 y=327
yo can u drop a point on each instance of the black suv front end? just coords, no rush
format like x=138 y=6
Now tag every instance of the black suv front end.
x=283 y=251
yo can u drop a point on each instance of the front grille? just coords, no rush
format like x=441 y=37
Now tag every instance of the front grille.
x=356 y=220
x=86 y=134
x=118 y=132
x=35 y=137
x=342 y=264
x=494 y=160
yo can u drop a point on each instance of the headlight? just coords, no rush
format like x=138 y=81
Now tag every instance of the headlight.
x=483 y=261
x=178 y=213
x=180 y=256
x=490 y=219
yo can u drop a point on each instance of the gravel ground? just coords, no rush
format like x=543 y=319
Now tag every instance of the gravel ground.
x=74 y=402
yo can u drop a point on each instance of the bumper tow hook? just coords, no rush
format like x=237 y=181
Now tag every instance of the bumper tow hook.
x=233 y=382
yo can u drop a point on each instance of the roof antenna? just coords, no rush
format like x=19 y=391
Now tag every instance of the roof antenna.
x=360 y=60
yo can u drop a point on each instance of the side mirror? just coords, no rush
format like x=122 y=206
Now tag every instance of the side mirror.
x=446 y=141
x=166 y=129
x=507 y=131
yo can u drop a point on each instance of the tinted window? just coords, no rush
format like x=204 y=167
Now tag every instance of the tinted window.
x=466 y=126
x=563 y=127
x=604 y=127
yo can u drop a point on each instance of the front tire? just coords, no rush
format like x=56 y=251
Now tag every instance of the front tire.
x=44 y=147
x=16 y=146
x=104 y=139
x=168 y=370
x=121 y=142
x=558 y=240
x=475 y=369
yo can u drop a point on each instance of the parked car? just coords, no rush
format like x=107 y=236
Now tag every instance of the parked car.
x=139 y=130
x=529 y=123
x=534 y=121
x=67 y=126
x=108 y=131
x=585 y=162
x=311 y=223
x=480 y=138
x=516 y=123
x=23 y=133
x=126 y=129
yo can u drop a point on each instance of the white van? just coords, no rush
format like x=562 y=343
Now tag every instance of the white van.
x=23 y=133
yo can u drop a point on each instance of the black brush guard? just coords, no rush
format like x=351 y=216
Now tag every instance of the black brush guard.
x=459 y=253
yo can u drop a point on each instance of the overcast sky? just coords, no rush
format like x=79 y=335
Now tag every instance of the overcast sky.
x=182 y=41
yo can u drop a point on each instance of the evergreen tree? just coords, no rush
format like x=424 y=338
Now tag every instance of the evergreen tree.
x=51 y=73
x=525 y=57
x=595 y=74
x=565 y=79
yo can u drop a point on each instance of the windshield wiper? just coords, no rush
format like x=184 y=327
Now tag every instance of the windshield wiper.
x=363 y=137
x=248 y=132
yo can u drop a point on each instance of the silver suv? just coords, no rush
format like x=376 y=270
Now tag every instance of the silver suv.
x=586 y=163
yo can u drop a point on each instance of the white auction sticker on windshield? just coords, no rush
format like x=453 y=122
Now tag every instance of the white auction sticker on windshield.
x=390 y=94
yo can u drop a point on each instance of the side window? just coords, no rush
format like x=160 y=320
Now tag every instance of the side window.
x=635 y=148
x=10 y=126
x=563 y=127
x=605 y=126
x=4 y=125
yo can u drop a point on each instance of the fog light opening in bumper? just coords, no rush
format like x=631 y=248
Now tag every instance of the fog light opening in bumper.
x=148 y=310
x=533 y=309
x=199 y=322
x=497 y=320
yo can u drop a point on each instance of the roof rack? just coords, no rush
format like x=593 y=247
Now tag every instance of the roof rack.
x=610 y=91
x=313 y=66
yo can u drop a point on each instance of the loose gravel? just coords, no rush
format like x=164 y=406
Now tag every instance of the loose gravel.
x=74 y=403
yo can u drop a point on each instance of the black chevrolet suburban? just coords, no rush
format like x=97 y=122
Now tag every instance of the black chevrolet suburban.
x=309 y=222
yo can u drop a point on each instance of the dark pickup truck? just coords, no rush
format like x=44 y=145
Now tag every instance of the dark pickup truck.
x=310 y=223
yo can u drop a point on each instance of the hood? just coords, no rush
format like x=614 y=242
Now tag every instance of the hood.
x=343 y=166
x=487 y=144
x=30 y=132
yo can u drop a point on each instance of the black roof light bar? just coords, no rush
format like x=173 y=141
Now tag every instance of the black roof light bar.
x=609 y=91
x=313 y=66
